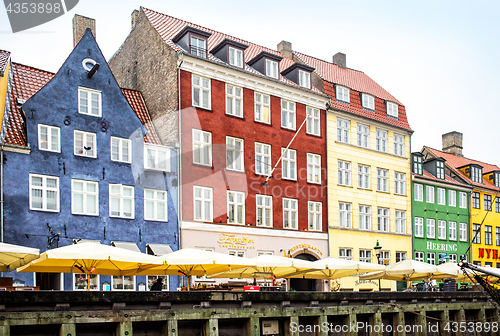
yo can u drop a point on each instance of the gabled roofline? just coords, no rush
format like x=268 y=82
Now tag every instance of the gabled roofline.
x=228 y=42
x=264 y=54
x=297 y=66
x=189 y=29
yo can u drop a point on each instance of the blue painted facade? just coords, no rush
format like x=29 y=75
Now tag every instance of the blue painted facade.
x=57 y=104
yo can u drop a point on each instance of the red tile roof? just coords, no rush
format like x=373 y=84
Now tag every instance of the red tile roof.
x=454 y=162
x=4 y=60
x=168 y=27
x=356 y=81
x=26 y=81
x=447 y=179
x=136 y=101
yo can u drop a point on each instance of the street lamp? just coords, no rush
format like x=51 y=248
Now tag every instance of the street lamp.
x=377 y=249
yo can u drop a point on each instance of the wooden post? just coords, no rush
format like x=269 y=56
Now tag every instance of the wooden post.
x=444 y=323
x=4 y=330
x=421 y=323
x=289 y=331
x=124 y=329
x=399 y=324
x=67 y=329
x=212 y=327
x=352 y=322
x=321 y=321
x=170 y=328
x=252 y=327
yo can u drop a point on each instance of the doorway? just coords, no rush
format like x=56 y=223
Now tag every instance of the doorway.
x=308 y=285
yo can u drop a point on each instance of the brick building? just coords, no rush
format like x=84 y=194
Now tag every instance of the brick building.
x=241 y=105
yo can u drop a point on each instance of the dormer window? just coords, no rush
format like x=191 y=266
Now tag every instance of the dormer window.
x=271 y=68
x=440 y=169
x=497 y=179
x=342 y=94
x=368 y=101
x=198 y=46
x=417 y=163
x=305 y=79
x=392 y=110
x=476 y=173
x=236 y=57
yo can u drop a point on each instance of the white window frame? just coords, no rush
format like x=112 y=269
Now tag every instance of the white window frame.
x=365 y=255
x=121 y=143
x=288 y=114
x=385 y=257
x=463 y=232
x=156 y=151
x=419 y=256
x=440 y=172
x=313 y=123
x=198 y=50
x=201 y=87
x=364 y=177
x=313 y=168
x=262 y=103
x=344 y=173
x=431 y=258
x=48 y=142
x=399 y=145
x=419 y=227
x=345 y=253
x=343 y=130
x=113 y=277
x=121 y=199
x=85 y=277
x=271 y=68
x=400 y=221
x=152 y=278
x=383 y=219
x=234 y=101
x=203 y=201
x=85 y=140
x=400 y=256
x=44 y=189
x=315 y=216
x=365 y=217
x=418 y=191
x=304 y=79
x=392 y=109
x=429 y=194
x=381 y=140
x=441 y=196
x=363 y=135
x=453 y=258
x=452 y=230
x=289 y=164
x=236 y=253
x=236 y=206
x=431 y=228
x=155 y=201
x=368 y=101
x=89 y=92
x=235 y=153
x=463 y=200
x=262 y=159
x=382 y=180
x=85 y=197
x=452 y=198
x=200 y=145
x=290 y=213
x=441 y=229
x=342 y=93
x=263 y=208
x=399 y=183
x=236 y=57
x=345 y=215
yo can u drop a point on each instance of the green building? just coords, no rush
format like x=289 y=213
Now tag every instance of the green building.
x=440 y=210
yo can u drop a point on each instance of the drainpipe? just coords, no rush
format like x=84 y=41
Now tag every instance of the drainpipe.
x=179 y=154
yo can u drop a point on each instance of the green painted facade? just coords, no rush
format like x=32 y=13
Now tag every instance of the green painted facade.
x=441 y=219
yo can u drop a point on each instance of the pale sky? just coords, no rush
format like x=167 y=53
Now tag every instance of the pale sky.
x=438 y=57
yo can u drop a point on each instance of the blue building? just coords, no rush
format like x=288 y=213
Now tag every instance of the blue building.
x=82 y=161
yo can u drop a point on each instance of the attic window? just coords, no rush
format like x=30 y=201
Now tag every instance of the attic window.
x=198 y=46
x=231 y=52
x=342 y=94
x=497 y=179
x=368 y=101
x=236 y=57
x=417 y=164
x=271 y=68
x=476 y=174
x=440 y=170
x=392 y=110
x=305 y=79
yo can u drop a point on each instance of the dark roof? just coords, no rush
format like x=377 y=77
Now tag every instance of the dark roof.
x=447 y=179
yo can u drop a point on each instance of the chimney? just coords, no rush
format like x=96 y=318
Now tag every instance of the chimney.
x=135 y=16
x=80 y=24
x=339 y=59
x=285 y=48
x=452 y=143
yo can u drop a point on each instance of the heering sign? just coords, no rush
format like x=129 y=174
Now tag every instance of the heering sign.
x=231 y=241
x=442 y=247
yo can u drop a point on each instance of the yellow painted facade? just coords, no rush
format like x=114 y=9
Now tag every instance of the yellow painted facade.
x=353 y=238
x=3 y=90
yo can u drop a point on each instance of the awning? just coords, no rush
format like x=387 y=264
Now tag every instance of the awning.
x=79 y=241
x=158 y=249
x=126 y=245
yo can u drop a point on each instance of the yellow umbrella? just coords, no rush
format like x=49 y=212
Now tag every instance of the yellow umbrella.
x=267 y=266
x=91 y=258
x=190 y=261
x=409 y=270
x=13 y=256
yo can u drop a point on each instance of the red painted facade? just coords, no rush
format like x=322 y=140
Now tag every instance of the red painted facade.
x=221 y=125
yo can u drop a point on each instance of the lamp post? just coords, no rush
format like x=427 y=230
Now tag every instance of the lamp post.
x=377 y=249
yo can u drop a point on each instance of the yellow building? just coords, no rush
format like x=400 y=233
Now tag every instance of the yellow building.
x=369 y=176
x=484 y=203
x=4 y=79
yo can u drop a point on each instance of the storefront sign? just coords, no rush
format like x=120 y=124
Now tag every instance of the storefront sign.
x=490 y=253
x=307 y=246
x=232 y=241
x=364 y=282
x=442 y=247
